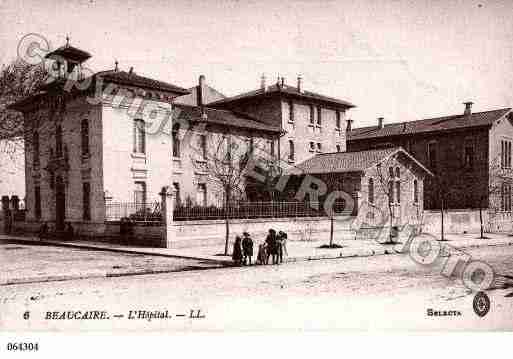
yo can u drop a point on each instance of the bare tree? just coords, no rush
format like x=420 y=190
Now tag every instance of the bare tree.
x=390 y=181
x=18 y=80
x=497 y=193
x=223 y=158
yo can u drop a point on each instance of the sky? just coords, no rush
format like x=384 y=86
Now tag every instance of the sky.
x=401 y=60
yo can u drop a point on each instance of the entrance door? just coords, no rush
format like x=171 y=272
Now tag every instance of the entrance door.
x=60 y=204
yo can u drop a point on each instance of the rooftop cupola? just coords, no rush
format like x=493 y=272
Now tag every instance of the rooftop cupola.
x=68 y=61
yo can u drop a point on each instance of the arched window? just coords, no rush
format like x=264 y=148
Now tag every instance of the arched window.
x=398 y=185
x=371 y=190
x=415 y=191
x=84 y=134
x=176 y=140
x=35 y=148
x=291 y=150
x=58 y=141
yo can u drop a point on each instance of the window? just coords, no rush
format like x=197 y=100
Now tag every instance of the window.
x=506 y=197
x=415 y=191
x=432 y=154
x=338 y=148
x=139 y=137
x=228 y=151
x=176 y=193
x=35 y=148
x=202 y=147
x=337 y=123
x=391 y=191
x=468 y=154
x=312 y=114
x=84 y=135
x=319 y=147
x=86 y=201
x=201 y=196
x=505 y=154
x=271 y=146
x=291 y=111
x=291 y=150
x=251 y=147
x=140 y=193
x=58 y=141
x=319 y=116
x=37 y=202
x=176 y=141
x=371 y=190
x=312 y=146
x=391 y=172
x=398 y=185
x=52 y=179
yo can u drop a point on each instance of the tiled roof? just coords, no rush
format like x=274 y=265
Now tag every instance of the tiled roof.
x=347 y=162
x=220 y=117
x=69 y=52
x=428 y=125
x=125 y=78
x=290 y=90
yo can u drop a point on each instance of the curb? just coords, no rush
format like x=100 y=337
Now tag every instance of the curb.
x=116 y=250
x=222 y=263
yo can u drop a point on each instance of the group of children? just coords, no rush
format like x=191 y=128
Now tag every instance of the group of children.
x=274 y=247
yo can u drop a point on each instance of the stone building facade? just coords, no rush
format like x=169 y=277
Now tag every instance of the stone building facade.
x=468 y=153
x=310 y=123
x=380 y=187
x=92 y=143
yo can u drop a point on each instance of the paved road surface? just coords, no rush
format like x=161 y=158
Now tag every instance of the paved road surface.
x=20 y=263
x=375 y=292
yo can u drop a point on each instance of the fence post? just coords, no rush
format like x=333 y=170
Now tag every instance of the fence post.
x=6 y=214
x=166 y=196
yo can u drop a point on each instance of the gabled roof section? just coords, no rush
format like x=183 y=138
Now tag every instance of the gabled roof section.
x=220 y=117
x=132 y=79
x=210 y=95
x=445 y=123
x=350 y=162
x=286 y=90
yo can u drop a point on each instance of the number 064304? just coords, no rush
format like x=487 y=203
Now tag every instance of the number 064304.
x=22 y=347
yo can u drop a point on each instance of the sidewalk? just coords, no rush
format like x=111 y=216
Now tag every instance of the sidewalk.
x=297 y=250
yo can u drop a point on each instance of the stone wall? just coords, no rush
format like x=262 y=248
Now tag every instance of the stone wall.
x=466 y=221
x=200 y=233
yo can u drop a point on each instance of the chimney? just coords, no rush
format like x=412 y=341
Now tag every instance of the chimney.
x=131 y=71
x=468 y=108
x=200 y=91
x=299 y=84
x=263 y=85
x=349 y=125
x=380 y=122
x=283 y=82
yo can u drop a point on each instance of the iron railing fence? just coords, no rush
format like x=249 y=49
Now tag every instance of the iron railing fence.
x=151 y=212
x=139 y=212
x=249 y=210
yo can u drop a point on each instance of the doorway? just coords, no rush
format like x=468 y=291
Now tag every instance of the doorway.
x=60 y=204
